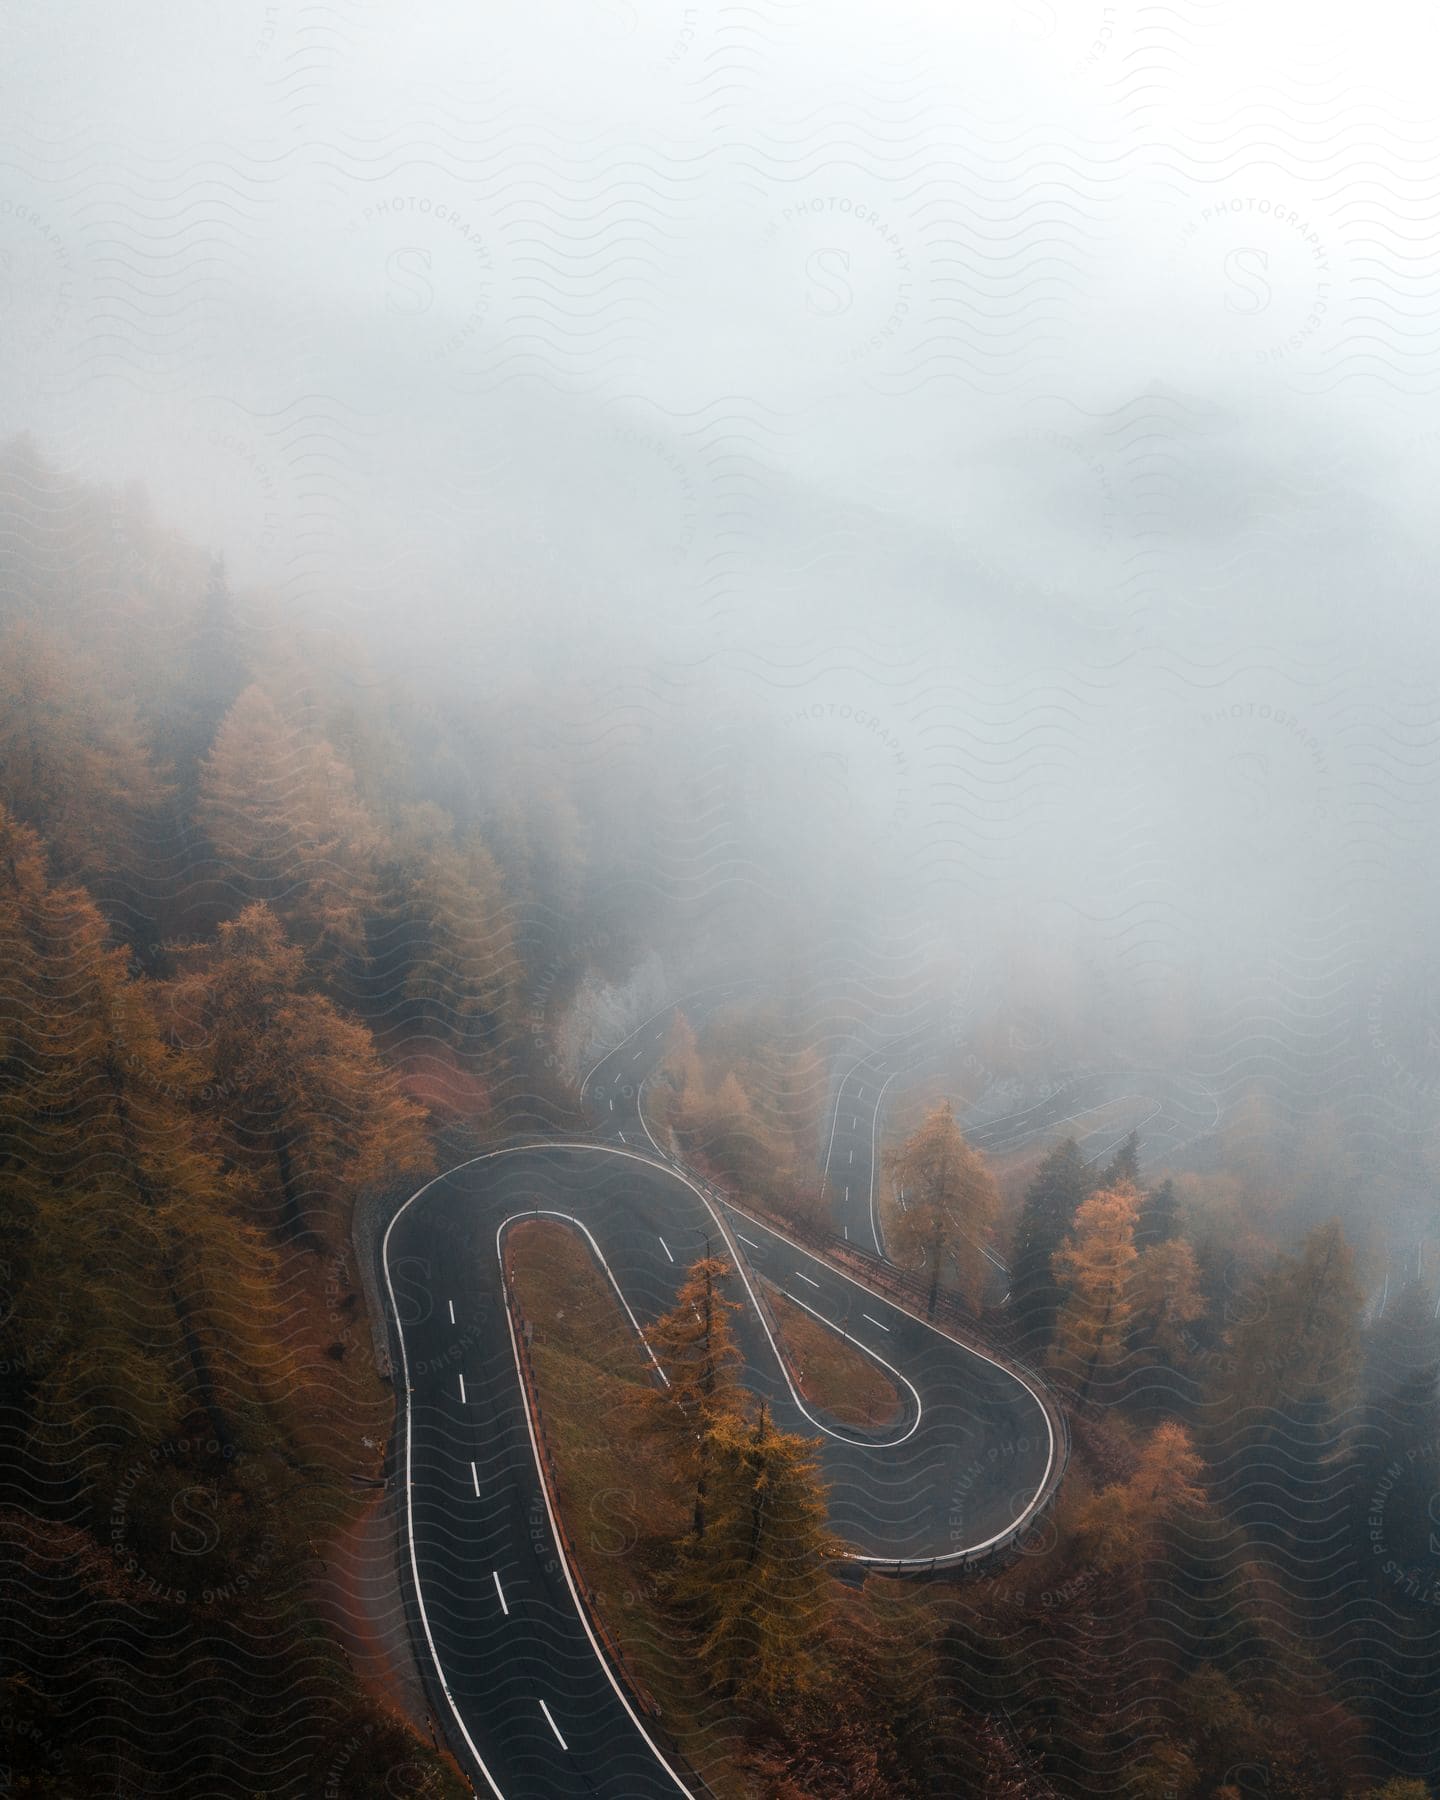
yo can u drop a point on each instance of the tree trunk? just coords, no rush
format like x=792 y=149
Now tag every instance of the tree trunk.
x=200 y=1376
x=292 y=1217
x=1099 y=1346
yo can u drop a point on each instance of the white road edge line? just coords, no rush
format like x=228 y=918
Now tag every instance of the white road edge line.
x=553 y=1726
x=865 y=1350
x=835 y=1116
x=874 y=1127
x=495 y=1577
x=470 y=1743
x=564 y=1560
x=489 y=1155
x=720 y=987
x=888 y=1562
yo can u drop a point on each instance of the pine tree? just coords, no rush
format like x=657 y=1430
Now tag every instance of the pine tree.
x=696 y=1350
x=1280 y=1401
x=1124 y=1166
x=302 y=1102
x=949 y=1206
x=1095 y=1272
x=1159 y=1217
x=1047 y=1215
x=1301 y=1333
x=757 y=1580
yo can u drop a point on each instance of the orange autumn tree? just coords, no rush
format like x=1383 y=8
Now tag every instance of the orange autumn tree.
x=1167 y=1299
x=695 y=1347
x=680 y=1079
x=279 y=806
x=141 y=1278
x=1094 y=1271
x=757 y=1581
x=1119 y=1525
x=949 y=1206
x=300 y=1100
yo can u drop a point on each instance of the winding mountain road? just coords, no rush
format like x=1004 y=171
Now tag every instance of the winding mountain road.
x=529 y=1692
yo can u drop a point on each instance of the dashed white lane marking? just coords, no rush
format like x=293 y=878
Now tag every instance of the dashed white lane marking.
x=622 y=1137
x=846 y=1230
x=612 y=1106
x=451 y=1305
x=666 y=1248
x=847 y=1193
x=862 y=1093
x=852 y=1156
x=553 y=1726
x=475 y=1479
x=462 y=1390
x=855 y=1121
x=744 y=1240
x=635 y=1058
x=869 y=1321
x=814 y=1284
x=495 y=1576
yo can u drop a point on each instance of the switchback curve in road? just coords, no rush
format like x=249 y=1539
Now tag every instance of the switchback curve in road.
x=531 y=1693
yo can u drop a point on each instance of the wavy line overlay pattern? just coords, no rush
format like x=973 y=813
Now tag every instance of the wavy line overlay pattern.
x=1007 y=427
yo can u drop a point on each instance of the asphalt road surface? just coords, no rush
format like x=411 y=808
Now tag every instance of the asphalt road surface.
x=528 y=1691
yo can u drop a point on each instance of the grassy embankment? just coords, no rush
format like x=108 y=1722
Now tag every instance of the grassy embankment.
x=623 y=1512
x=830 y=1373
x=620 y=1503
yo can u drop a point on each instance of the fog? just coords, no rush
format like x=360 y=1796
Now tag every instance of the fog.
x=951 y=489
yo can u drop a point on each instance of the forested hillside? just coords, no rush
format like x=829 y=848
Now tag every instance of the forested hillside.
x=249 y=971
x=281 y=932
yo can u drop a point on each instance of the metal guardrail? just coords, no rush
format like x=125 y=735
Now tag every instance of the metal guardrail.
x=952 y=1320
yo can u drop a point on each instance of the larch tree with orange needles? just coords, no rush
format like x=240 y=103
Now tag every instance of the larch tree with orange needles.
x=695 y=1347
x=948 y=1203
x=1094 y=1271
